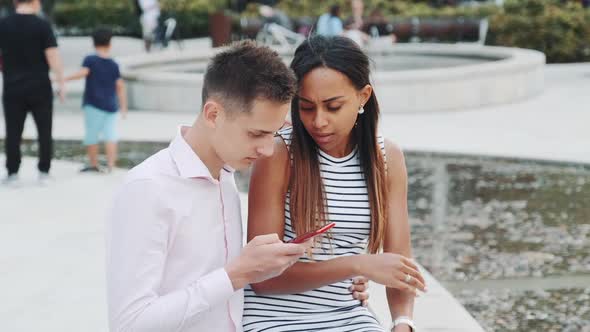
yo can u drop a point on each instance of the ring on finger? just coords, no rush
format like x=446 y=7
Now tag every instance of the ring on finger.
x=408 y=278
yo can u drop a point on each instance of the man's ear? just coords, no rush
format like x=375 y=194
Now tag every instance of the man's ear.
x=211 y=112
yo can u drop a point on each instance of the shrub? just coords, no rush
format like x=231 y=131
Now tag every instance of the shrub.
x=82 y=16
x=561 y=31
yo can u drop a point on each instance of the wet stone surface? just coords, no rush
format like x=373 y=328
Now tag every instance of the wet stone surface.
x=563 y=310
x=501 y=219
x=498 y=219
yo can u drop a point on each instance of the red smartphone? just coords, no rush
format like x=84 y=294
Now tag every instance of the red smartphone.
x=304 y=237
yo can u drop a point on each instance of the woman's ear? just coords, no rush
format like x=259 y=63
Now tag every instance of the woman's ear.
x=365 y=94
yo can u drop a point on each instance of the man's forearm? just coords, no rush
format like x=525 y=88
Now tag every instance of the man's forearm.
x=168 y=312
x=58 y=71
x=55 y=64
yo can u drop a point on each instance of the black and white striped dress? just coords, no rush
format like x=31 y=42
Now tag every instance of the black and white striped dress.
x=332 y=307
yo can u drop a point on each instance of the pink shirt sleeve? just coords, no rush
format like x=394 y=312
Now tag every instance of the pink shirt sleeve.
x=138 y=229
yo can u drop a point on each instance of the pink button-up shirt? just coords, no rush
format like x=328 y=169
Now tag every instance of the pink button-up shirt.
x=171 y=231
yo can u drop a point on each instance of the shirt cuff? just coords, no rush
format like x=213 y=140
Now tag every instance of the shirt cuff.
x=215 y=288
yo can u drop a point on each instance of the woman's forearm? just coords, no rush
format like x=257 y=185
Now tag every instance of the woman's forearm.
x=303 y=276
x=401 y=303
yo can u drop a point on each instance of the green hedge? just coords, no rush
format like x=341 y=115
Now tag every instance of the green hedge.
x=192 y=15
x=76 y=17
x=561 y=31
x=80 y=17
x=389 y=8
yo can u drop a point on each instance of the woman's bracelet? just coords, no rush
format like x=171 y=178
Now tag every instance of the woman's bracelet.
x=404 y=320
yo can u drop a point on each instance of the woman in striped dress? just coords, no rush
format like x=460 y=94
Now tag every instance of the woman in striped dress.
x=331 y=167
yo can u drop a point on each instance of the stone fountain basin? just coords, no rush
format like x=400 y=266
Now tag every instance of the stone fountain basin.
x=409 y=77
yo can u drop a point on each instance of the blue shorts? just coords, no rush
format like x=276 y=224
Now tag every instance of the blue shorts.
x=100 y=125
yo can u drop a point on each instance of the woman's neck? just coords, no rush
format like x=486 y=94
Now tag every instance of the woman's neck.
x=344 y=149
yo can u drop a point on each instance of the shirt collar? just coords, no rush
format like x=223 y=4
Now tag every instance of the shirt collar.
x=187 y=161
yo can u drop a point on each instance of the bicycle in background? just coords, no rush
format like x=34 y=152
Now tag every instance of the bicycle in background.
x=165 y=32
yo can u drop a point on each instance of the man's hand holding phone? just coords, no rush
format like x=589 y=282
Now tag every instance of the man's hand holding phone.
x=265 y=257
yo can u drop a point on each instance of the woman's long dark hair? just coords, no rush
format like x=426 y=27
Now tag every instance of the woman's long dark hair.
x=307 y=197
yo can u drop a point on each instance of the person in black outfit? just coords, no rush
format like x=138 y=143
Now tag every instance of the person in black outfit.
x=29 y=49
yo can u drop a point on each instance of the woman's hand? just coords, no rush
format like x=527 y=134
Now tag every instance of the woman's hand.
x=393 y=271
x=359 y=289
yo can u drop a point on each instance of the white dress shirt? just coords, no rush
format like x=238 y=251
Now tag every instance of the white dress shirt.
x=170 y=233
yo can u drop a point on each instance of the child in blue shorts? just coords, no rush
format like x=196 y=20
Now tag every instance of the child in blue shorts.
x=104 y=95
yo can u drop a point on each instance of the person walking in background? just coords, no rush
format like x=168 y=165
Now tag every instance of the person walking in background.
x=104 y=96
x=29 y=50
x=353 y=27
x=330 y=24
x=358 y=36
x=357 y=18
x=150 y=14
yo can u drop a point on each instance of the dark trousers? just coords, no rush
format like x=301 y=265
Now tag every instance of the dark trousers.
x=16 y=109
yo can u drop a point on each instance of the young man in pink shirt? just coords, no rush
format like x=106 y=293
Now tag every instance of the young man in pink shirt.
x=175 y=260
